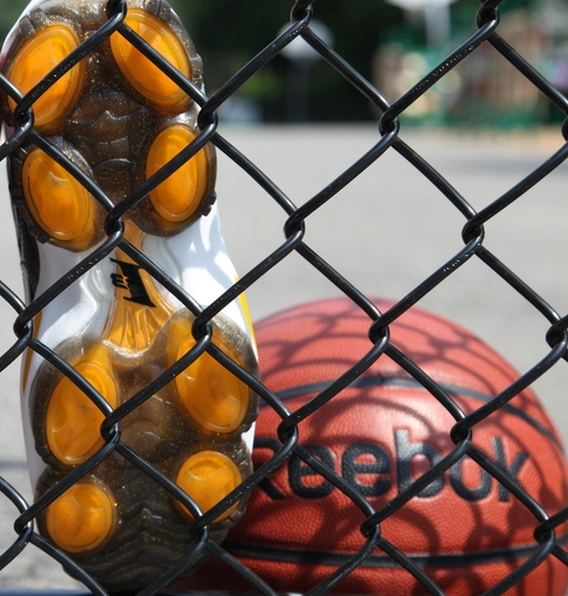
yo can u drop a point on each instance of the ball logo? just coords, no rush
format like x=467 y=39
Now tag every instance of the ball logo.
x=373 y=471
x=462 y=534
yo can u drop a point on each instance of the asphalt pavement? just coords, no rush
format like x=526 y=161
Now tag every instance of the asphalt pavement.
x=386 y=232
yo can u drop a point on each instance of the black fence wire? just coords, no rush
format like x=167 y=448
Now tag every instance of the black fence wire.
x=548 y=527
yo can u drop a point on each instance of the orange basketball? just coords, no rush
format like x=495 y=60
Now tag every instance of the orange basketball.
x=466 y=531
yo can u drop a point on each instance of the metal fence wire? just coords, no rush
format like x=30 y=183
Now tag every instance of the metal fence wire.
x=486 y=31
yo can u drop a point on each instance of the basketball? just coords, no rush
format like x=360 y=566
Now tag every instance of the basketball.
x=465 y=530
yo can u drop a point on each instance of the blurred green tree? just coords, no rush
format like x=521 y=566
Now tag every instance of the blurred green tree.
x=229 y=33
x=9 y=15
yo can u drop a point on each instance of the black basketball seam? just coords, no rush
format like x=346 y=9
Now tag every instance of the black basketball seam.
x=380 y=381
x=289 y=555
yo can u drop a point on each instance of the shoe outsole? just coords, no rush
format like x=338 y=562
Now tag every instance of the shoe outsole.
x=116 y=119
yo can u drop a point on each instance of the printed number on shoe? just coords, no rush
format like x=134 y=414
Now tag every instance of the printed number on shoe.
x=115 y=119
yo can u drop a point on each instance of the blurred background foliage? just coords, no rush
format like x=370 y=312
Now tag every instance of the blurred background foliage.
x=229 y=33
x=387 y=45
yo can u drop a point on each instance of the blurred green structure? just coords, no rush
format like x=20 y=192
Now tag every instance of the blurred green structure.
x=485 y=88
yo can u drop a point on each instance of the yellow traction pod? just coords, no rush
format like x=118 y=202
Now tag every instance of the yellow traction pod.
x=179 y=196
x=207 y=477
x=35 y=60
x=141 y=72
x=81 y=518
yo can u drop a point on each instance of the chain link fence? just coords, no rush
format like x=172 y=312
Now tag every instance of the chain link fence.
x=20 y=534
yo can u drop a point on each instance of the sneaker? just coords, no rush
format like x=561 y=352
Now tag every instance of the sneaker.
x=115 y=119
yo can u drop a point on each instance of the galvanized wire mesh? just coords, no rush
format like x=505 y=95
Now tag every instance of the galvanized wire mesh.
x=486 y=31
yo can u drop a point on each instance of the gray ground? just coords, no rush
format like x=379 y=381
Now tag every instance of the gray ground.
x=386 y=232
